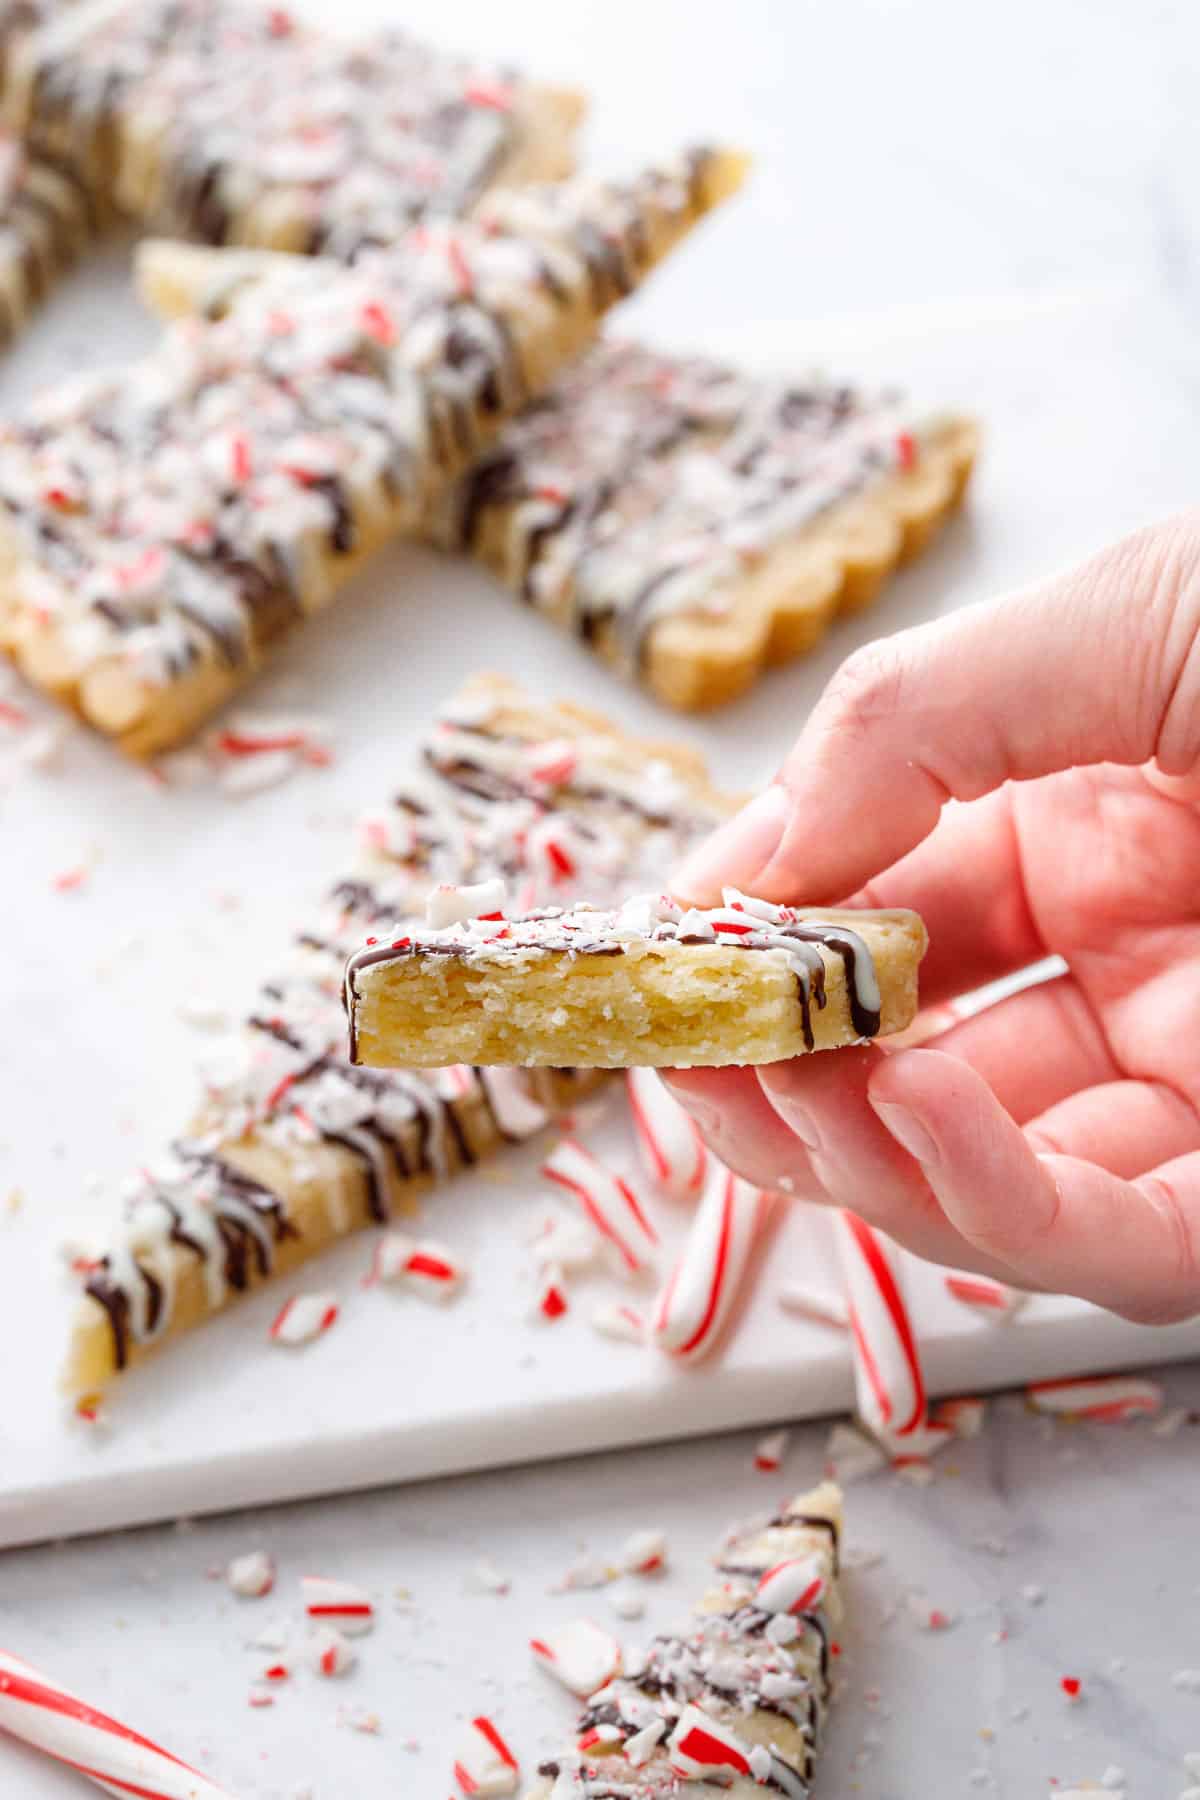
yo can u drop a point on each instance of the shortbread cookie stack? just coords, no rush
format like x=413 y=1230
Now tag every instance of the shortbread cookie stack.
x=298 y=1147
x=162 y=526
x=736 y=1702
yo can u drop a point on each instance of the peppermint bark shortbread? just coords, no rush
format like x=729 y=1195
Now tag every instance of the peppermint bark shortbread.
x=162 y=526
x=296 y=1148
x=47 y=216
x=736 y=1702
x=694 y=524
x=232 y=122
x=649 y=984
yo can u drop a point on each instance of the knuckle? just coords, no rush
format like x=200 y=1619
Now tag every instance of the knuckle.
x=867 y=688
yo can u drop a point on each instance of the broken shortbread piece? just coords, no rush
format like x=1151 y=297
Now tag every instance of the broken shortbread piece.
x=735 y=1701
x=649 y=985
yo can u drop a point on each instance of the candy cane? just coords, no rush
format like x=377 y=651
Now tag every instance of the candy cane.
x=888 y=1377
x=692 y=1309
x=52 y=1719
x=1110 y=1399
x=992 y=1299
x=795 y=1586
x=670 y=1146
x=607 y=1201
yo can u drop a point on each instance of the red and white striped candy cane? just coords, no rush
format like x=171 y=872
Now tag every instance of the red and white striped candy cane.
x=55 y=1721
x=888 y=1378
x=992 y=1299
x=1109 y=1398
x=692 y=1309
x=607 y=1201
x=671 y=1148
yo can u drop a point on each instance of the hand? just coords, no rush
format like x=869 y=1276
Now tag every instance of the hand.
x=1027 y=775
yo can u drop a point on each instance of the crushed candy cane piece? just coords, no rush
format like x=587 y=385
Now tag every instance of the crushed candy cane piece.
x=359 y=1718
x=256 y=774
x=644 y=1553
x=571 y=1243
x=423 y=1267
x=339 y=1603
x=581 y=1655
x=303 y=1318
x=627 y=1604
x=964 y=1416
x=929 y=1618
x=851 y=1456
x=550 y=1301
x=794 y=1586
x=1072 y=1687
x=251 y=1576
x=619 y=1322
x=990 y=1299
x=700 y=1745
x=488 y=1579
x=818 y=1304
x=641 y=1746
x=260 y=1697
x=330 y=1651
x=585 y=1574
x=770 y=1451
x=608 y=1203
x=485 y=1765
x=1108 y=1399
x=450 y=905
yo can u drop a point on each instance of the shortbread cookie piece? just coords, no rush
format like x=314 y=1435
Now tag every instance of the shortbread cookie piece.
x=47 y=216
x=736 y=1702
x=231 y=122
x=694 y=524
x=297 y=1147
x=162 y=526
x=650 y=984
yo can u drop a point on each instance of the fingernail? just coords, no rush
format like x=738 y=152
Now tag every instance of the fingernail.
x=908 y=1131
x=737 y=851
x=798 y=1119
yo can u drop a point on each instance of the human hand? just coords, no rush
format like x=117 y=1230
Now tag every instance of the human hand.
x=1027 y=776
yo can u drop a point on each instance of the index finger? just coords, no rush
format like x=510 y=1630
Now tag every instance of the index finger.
x=1096 y=666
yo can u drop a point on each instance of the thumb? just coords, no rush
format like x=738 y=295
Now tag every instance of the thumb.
x=1099 y=665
